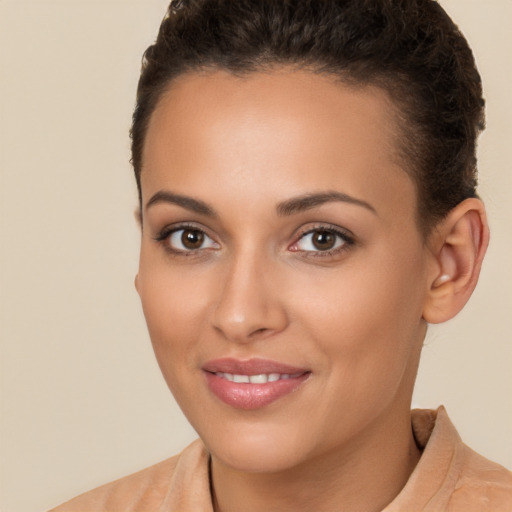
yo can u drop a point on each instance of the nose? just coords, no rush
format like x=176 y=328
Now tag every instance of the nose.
x=249 y=306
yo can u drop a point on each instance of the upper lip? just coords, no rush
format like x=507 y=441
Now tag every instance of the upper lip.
x=250 y=367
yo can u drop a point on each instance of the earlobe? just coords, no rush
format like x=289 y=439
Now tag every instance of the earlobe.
x=461 y=241
x=444 y=278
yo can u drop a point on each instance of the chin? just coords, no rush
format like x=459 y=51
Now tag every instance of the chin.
x=255 y=450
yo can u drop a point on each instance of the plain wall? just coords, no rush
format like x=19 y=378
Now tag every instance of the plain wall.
x=82 y=399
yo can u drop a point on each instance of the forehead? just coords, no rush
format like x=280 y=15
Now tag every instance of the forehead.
x=297 y=101
x=282 y=131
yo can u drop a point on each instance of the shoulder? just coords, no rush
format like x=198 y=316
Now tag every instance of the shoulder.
x=450 y=476
x=145 y=490
x=125 y=493
x=482 y=485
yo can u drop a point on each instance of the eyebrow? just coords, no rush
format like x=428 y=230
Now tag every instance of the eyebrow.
x=309 y=201
x=285 y=208
x=194 y=205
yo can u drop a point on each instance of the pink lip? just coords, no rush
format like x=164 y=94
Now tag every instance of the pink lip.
x=251 y=396
x=250 y=366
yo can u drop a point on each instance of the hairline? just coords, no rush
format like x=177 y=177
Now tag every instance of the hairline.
x=386 y=82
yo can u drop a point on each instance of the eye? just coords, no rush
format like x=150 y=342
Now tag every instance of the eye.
x=322 y=240
x=186 y=239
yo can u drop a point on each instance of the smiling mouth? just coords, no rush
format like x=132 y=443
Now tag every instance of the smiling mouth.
x=261 y=378
x=252 y=384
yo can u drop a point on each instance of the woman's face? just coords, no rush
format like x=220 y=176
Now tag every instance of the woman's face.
x=282 y=272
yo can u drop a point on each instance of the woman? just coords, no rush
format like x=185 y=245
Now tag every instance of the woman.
x=306 y=176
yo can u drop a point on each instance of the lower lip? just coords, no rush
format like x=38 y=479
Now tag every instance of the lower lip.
x=252 y=396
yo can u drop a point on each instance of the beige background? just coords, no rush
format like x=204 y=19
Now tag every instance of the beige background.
x=82 y=400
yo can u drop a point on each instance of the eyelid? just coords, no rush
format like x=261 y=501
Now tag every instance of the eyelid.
x=345 y=235
x=166 y=232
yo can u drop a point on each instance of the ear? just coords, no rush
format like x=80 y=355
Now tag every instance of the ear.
x=458 y=246
x=138 y=217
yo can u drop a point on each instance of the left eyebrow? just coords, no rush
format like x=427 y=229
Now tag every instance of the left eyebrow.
x=309 y=201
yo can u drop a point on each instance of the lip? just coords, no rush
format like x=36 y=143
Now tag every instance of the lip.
x=252 y=396
x=250 y=366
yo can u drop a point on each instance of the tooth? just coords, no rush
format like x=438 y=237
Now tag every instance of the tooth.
x=228 y=376
x=273 y=377
x=285 y=376
x=258 y=379
x=241 y=378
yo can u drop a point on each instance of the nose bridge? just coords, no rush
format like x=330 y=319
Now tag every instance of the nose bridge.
x=248 y=305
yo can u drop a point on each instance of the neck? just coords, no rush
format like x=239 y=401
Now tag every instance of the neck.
x=365 y=476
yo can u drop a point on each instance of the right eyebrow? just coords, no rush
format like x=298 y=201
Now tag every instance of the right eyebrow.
x=189 y=203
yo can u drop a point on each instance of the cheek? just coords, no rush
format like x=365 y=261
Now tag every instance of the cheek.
x=174 y=302
x=168 y=313
x=359 y=299
x=367 y=318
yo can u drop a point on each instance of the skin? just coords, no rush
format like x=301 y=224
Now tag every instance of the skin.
x=257 y=287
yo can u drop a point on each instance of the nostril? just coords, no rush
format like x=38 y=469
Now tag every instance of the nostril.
x=258 y=332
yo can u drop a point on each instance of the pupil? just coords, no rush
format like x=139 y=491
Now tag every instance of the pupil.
x=324 y=240
x=192 y=239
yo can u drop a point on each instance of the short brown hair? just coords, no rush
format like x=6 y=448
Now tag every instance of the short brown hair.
x=410 y=48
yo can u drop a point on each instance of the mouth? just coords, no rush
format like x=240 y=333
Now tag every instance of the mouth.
x=252 y=384
x=260 y=378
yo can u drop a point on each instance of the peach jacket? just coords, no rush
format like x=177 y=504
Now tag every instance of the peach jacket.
x=450 y=477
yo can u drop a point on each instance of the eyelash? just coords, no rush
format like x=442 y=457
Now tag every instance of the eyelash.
x=347 y=240
x=167 y=232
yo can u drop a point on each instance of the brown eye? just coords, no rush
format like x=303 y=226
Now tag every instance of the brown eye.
x=192 y=238
x=323 y=240
x=188 y=240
